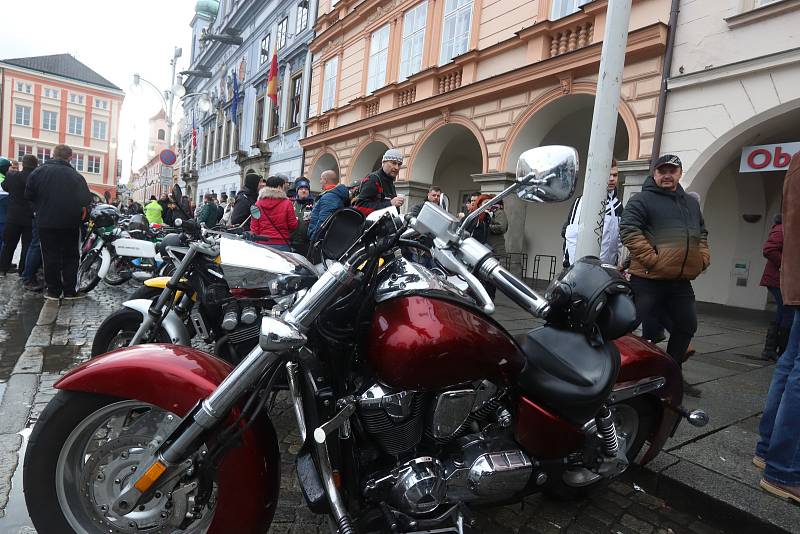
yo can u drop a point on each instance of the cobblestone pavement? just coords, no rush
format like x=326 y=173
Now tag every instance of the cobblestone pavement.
x=62 y=338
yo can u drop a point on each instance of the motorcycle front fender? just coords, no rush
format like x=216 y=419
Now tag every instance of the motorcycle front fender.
x=172 y=324
x=105 y=262
x=641 y=360
x=176 y=378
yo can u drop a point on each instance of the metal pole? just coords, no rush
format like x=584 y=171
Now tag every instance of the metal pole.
x=604 y=126
x=174 y=61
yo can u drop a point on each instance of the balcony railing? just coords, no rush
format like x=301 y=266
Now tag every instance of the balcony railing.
x=406 y=96
x=372 y=108
x=572 y=38
x=449 y=81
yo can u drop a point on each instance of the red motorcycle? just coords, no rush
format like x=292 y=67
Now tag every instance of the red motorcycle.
x=413 y=404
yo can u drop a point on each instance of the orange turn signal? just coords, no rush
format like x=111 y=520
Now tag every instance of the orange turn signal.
x=150 y=476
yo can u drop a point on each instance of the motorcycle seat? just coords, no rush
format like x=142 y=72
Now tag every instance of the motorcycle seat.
x=566 y=373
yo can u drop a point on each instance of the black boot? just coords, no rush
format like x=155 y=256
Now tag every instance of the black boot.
x=782 y=341
x=771 y=343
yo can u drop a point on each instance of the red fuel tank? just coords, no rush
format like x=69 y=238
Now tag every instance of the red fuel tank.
x=424 y=342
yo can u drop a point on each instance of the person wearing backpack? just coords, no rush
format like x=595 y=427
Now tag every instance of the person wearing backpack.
x=277 y=220
x=377 y=190
x=334 y=197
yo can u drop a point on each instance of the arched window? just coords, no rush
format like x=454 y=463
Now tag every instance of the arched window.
x=162 y=135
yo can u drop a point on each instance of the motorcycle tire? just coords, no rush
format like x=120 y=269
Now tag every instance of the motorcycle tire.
x=67 y=430
x=115 y=276
x=118 y=329
x=87 y=271
x=638 y=420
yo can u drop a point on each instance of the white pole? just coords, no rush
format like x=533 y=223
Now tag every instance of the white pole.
x=604 y=127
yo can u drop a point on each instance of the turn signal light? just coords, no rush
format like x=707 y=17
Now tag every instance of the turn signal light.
x=150 y=476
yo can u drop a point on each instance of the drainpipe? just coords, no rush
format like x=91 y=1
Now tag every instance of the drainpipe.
x=312 y=21
x=662 y=97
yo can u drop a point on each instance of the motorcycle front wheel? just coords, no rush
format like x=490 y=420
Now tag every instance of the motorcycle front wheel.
x=82 y=454
x=118 y=329
x=88 y=270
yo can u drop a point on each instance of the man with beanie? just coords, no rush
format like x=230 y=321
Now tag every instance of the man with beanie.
x=666 y=235
x=247 y=197
x=303 y=205
x=60 y=197
x=778 y=449
x=19 y=218
x=377 y=189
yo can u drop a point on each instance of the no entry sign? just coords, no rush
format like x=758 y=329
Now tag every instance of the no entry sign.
x=764 y=158
x=168 y=157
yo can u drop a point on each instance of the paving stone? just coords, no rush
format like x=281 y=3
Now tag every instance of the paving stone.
x=30 y=361
x=636 y=524
x=9 y=458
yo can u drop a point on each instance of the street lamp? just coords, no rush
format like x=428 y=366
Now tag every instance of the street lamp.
x=171 y=93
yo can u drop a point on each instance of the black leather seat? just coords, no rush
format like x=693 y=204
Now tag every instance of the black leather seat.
x=566 y=374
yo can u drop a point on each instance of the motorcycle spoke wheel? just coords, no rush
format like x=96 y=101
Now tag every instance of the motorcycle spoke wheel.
x=118 y=272
x=99 y=460
x=88 y=272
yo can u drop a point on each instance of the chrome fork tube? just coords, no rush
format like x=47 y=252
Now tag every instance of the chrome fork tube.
x=297 y=399
x=219 y=403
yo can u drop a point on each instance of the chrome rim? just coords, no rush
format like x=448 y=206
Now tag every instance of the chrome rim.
x=88 y=271
x=99 y=461
x=626 y=423
x=122 y=339
x=115 y=270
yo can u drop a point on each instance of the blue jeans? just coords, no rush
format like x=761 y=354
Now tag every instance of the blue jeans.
x=783 y=314
x=779 y=442
x=33 y=260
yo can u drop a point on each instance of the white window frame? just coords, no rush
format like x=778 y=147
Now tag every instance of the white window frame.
x=762 y=3
x=330 y=71
x=378 y=58
x=302 y=18
x=23 y=150
x=50 y=125
x=75 y=98
x=23 y=87
x=77 y=161
x=95 y=124
x=414 y=22
x=50 y=92
x=25 y=118
x=456 y=29
x=283 y=30
x=564 y=8
x=101 y=103
x=263 y=55
x=90 y=168
x=75 y=127
x=40 y=154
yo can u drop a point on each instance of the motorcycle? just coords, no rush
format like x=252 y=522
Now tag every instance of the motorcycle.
x=110 y=253
x=202 y=301
x=412 y=403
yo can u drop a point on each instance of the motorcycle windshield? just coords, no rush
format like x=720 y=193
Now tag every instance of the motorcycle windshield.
x=249 y=265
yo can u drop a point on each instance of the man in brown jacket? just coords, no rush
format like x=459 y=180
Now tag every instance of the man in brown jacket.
x=778 y=449
x=664 y=231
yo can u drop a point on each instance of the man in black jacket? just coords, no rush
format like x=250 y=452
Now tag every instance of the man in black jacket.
x=377 y=189
x=19 y=217
x=246 y=198
x=60 y=197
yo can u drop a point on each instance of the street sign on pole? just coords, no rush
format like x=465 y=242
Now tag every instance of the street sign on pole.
x=168 y=157
x=166 y=176
x=604 y=126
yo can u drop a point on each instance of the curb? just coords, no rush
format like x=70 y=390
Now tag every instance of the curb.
x=690 y=499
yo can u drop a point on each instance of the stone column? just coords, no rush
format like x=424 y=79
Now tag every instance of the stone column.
x=415 y=193
x=632 y=174
x=494 y=183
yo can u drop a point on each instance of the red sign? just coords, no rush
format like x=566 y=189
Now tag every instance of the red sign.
x=764 y=158
x=168 y=157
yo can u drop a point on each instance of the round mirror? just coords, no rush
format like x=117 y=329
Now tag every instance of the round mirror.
x=255 y=212
x=547 y=173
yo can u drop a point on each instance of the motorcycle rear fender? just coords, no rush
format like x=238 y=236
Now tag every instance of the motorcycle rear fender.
x=105 y=263
x=172 y=324
x=642 y=360
x=176 y=378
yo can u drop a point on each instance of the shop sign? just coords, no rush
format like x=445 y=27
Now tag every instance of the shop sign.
x=763 y=158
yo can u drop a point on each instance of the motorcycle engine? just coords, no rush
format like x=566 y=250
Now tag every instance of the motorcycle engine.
x=459 y=442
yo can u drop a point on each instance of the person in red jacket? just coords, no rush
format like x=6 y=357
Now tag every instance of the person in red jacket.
x=778 y=332
x=277 y=220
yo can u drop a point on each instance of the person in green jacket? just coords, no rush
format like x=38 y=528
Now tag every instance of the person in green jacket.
x=208 y=213
x=153 y=211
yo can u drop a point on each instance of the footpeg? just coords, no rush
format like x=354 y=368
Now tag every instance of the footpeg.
x=697 y=418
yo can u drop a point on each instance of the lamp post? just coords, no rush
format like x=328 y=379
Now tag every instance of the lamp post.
x=176 y=89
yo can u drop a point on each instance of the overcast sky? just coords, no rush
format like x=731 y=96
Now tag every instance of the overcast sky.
x=115 y=39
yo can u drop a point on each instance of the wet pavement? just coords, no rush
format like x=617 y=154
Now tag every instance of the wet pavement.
x=60 y=337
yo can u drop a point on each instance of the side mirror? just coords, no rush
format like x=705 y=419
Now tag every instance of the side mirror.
x=255 y=212
x=547 y=173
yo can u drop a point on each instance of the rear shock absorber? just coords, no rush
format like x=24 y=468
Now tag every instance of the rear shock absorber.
x=605 y=426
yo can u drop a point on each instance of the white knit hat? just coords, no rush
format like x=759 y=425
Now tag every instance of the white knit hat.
x=393 y=155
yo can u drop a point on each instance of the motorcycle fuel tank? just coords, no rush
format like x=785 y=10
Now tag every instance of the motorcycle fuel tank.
x=425 y=342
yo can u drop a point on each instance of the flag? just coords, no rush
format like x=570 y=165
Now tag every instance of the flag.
x=194 y=131
x=235 y=103
x=272 y=83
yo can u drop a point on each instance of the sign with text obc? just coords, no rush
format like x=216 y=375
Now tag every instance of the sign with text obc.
x=763 y=158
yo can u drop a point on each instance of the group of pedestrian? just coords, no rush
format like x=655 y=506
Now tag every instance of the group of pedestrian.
x=45 y=207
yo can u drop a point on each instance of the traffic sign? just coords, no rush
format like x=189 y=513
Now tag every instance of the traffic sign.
x=168 y=157
x=166 y=173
